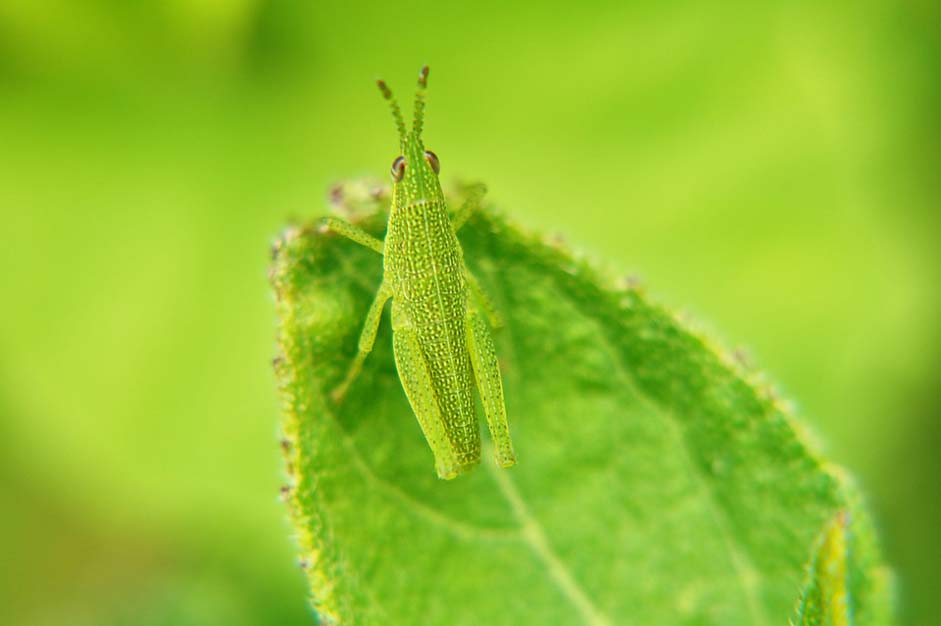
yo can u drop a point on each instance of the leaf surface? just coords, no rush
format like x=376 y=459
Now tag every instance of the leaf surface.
x=658 y=482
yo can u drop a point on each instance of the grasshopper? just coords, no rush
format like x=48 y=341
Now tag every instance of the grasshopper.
x=440 y=337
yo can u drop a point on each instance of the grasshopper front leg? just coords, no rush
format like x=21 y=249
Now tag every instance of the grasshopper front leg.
x=475 y=194
x=374 y=316
x=351 y=232
x=366 y=341
x=483 y=356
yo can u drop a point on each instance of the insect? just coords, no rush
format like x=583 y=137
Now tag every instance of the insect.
x=440 y=337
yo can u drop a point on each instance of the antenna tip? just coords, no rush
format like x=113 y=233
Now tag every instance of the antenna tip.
x=386 y=92
x=423 y=77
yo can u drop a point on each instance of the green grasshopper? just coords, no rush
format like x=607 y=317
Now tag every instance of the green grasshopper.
x=439 y=334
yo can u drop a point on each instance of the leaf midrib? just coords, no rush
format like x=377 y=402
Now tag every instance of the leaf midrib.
x=748 y=575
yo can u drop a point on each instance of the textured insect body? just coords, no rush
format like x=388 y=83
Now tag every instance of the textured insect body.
x=441 y=341
x=424 y=265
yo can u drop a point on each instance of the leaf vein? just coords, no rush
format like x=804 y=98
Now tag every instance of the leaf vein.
x=749 y=577
x=534 y=535
x=465 y=531
x=532 y=531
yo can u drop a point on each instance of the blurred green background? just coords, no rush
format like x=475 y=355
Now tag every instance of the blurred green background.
x=770 y=168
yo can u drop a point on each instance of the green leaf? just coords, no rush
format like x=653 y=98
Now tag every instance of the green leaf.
x=658 y=481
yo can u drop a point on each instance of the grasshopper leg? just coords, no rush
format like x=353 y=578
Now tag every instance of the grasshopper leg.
x=475 y=194
x=483 y=356
x=483 y=300
x=366 y=341
x=417 y=383
x=354 y=233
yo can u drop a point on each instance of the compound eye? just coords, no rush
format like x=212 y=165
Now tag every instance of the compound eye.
x=433 y=161
x=398 y=169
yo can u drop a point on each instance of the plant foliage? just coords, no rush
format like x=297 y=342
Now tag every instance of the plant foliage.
x=659 y=481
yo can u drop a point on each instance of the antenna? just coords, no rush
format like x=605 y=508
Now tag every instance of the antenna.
x=396 y=111
x=420 y=100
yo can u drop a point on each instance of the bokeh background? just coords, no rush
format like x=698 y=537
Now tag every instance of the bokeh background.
x=770 y=168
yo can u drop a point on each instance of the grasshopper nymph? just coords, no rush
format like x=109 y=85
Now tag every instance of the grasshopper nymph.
x=441 y=342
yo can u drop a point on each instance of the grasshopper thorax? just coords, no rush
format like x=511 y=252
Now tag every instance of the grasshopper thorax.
x=415 y=170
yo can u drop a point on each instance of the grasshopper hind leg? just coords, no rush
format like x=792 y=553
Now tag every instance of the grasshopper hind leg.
x=417 y=383
x=490 y=385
